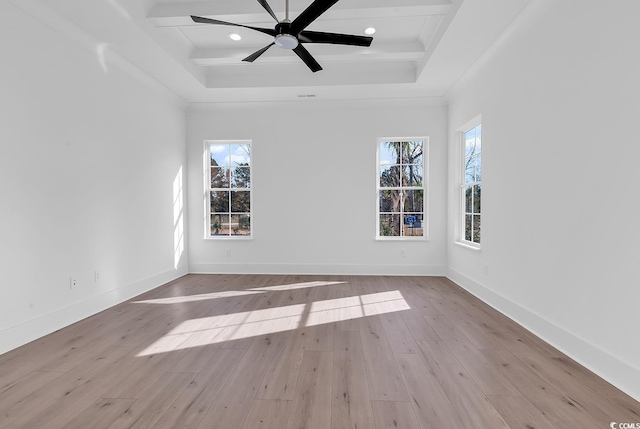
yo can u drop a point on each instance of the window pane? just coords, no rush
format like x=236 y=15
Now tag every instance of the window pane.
x=413 y=200
x=240 y=201
x=476 y=198
x=241 y=177
x=389 y=225
x=219 y=177
x=467 y=227
x=220 y=202
x=476 y=229
x=219 y=224
x=240 y=154
x=390 y=201
x=468 y=199
x=412 y=175
x=240 y=224
x=390 y=176
x=413 y=225
x=219 y=154
x=478 y=167
x=469 y=170
x=411 y=152
x=389 y=153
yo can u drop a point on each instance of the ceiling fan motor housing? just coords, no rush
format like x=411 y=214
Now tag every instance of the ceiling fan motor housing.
x=284 y=39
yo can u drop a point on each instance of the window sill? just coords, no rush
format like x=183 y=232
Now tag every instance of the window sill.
x=228 y=237
x=402 y=239
x=467 y=246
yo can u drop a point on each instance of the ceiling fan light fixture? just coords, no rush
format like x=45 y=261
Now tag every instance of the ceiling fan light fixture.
x=286 y=41
x=234 y=36
x=370 y=31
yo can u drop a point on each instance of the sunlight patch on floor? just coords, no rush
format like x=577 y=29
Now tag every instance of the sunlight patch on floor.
x=229 y=327
x=341 y=309
x=297 y=286
x=200 y=297
x=232 y=293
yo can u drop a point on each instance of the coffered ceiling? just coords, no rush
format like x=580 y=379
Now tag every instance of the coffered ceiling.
x=420 y=48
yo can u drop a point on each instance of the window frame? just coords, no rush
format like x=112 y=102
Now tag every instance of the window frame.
x=463 y=185
x=208 y=189
x=424 y=188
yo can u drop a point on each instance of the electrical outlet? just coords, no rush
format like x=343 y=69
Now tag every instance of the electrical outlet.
x=96 y=276
x=73 y=283
x=402 y=254
x=486 y=268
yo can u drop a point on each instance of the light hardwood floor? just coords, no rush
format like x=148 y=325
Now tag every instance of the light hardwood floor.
x=293 y=352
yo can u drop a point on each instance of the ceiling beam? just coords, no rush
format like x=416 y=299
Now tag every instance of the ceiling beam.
x=413 y=51
x=177 y=14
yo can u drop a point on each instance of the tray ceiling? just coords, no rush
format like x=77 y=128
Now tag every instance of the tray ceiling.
x=420 y=48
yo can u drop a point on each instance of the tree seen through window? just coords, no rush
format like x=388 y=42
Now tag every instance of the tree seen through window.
x=401 y=188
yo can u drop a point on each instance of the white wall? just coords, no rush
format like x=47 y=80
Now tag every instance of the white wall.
x=314 y=192
x=89 y=160
x=559 y=97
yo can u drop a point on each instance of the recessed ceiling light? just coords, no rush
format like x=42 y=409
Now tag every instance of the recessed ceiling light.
x=234 y=36
x=370 y=31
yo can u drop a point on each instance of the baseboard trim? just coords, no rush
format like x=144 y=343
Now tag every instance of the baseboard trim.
x=320 y=269
x=617 y=372
x=40 y=326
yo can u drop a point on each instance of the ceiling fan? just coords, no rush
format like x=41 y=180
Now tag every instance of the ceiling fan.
x=291 y=35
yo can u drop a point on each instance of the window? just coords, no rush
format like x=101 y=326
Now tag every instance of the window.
x=401 y=188
x=471 y=188
x=228 y=197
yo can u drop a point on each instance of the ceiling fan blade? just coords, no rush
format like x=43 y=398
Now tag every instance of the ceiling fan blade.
x=202 y=20
x=310 y=14
x=251 y=58
x=266 y=6
x=334 y=38
x=305 y=56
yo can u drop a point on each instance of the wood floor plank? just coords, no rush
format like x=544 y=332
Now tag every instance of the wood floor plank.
x=193 y=358
x=394 y=415
x=471 y=405
x=597 y=406
x=383 y=374
x=351 y=400
x=197 y=397
x=146 y=410
x=16 y=392
x=519 y=413
x=100 y=415
x=418 y=325
x=597 y=384
x=280 y=378
x=346 y=340
x=61 y=400
x=267 y=414
x=345 y=290
x=486 y=375
x=312 y=397
x=400 y=338
x=430 y=402
x=140 y=372
x=560 y=410
x=234 y=401
x=317 y=331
